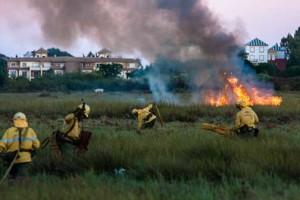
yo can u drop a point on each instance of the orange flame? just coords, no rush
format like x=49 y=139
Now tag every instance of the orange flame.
x=233 y=91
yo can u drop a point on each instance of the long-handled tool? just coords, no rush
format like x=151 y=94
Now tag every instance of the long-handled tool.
x=159 y=116
x=9 y=167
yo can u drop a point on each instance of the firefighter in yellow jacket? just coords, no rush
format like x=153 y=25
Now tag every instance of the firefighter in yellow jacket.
x=145 y=118
x=72 y=127
x=19 y=142
x=246 y=120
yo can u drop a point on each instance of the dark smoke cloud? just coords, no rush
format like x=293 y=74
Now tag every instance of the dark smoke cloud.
x=180 y=29
x=185 y=31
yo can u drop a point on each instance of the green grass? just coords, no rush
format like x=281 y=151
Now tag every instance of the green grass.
x=176 y=161
x=105 y=186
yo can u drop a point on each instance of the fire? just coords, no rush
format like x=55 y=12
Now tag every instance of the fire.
x=233 y=91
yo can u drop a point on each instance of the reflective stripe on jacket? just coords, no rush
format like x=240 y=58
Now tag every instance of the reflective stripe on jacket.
x=145 y=116
x=29 y=141
x=246 y=116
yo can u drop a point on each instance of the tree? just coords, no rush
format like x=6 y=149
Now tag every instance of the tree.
x=292 y=48
x=266 y=68
x=292 y=71
x=52 y=52
x=20 y=84
x=3 y=72
x=109 y=70
x=140 y=72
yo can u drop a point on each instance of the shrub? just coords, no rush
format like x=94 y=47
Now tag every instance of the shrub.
x=292 y=71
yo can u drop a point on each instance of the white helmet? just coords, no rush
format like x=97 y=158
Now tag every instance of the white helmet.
x=20 y=120
x=20 y=115
x=87 y=109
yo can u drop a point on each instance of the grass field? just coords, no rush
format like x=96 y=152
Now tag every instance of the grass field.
x=176 y=161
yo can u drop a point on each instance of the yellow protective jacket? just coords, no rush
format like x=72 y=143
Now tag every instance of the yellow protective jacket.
x=145 y=116
x=29 y=141
x=246 y=116
x=71 y=126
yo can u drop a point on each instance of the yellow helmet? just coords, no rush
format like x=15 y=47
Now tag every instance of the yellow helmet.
x=20 y=120
x=242 y=103
x=134 y=111
x=87 y=109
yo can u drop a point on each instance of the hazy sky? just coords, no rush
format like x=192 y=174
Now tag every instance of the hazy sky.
x=269 y=20
x=21 y=25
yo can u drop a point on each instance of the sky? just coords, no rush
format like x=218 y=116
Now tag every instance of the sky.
x=27 y=25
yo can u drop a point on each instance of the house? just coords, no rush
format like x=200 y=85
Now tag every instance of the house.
x=31 y=67
x=276 y=55
x=257 y=51
x=41 y=53
x=104 y=53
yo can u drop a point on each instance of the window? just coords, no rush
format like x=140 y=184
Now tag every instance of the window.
x=86 y=71
x=61 y=65
x=13 y=73
x=24 y=74
x=24 y=64
x=132 y=65
x=273 y=57
x=58 y=72
x=13 y=64
x=252 y=49
x=261 y=49
x=85 y=65
x=261 y=58
x=98 y=66
x=251 y=57
x=36 y=65
x=36 y=74
x=47 y=65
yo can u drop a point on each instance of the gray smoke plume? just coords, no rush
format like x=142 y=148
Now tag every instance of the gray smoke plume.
x=182 y=30
x=179 y=29
x=160 y=92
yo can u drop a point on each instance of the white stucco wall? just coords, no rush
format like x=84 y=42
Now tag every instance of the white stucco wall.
x=257 y=54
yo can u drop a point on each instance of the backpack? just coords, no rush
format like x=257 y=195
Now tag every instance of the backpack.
x=83 y=142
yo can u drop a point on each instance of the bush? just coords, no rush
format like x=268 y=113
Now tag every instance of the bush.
x=73 y=82
x=266 y=68
x=292 y=71
x=264 y=77
x=286 y=84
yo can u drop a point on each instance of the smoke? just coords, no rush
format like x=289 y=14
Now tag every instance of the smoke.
x=176 y=28
x=160 y=92
x=184 y=31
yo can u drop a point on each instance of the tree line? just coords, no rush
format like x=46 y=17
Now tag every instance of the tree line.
x=106 y=76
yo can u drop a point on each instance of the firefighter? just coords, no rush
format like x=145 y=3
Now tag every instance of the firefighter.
x=72 y=127
x=246 y=120
x=19 y=142
x=145 y=118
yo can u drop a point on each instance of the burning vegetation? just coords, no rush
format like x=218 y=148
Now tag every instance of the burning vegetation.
x=234 y=90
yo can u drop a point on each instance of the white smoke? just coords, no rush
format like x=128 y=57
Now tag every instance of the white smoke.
x=159 y=90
